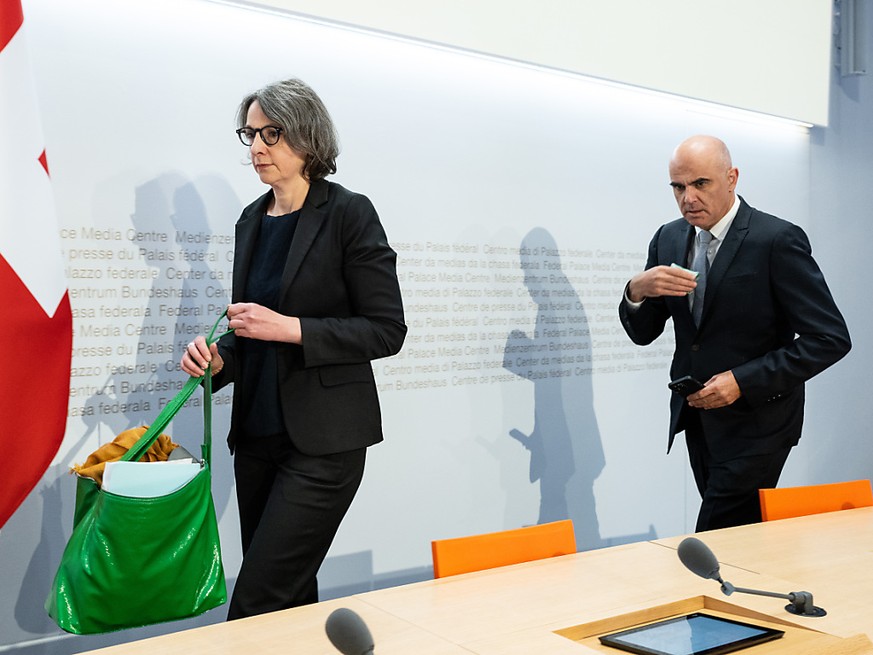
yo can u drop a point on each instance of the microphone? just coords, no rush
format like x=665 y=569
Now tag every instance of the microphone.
x=700 y=560
x=348 y=632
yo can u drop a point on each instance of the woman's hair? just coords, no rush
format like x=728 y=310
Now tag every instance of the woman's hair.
x=305 y=121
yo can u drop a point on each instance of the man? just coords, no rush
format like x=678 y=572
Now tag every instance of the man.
x=764 y=323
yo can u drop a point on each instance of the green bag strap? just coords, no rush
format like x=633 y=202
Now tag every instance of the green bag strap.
x=135 y=453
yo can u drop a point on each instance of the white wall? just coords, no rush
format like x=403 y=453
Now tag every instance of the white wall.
x=839 y=414
x=455 y=151
x=772 y=57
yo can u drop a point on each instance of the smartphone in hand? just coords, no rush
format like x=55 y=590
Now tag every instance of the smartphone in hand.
x=685 y=386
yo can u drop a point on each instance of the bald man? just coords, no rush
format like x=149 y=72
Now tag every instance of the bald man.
x=767 y=323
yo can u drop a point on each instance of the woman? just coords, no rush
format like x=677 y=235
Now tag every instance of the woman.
x=315 y=299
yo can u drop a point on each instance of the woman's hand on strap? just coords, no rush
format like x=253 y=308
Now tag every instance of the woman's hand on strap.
x=198 y=355
x=255 y=321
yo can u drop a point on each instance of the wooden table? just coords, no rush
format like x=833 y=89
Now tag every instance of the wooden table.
x=829 y=555
x=521 y=609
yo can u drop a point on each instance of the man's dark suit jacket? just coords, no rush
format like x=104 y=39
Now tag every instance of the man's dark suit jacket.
x=340 y=280
x=768 y=316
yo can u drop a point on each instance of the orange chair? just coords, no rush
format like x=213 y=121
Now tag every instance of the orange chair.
x=488 y=551
x=814 y=499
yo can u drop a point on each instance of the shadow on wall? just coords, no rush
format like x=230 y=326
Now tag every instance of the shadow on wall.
x=566 y=453
x=189 y=290
x=186 y=294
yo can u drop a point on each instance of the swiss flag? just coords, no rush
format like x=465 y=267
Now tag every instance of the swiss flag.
x=36 y=324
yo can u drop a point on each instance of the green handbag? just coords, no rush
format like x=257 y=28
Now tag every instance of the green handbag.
x=134 y=561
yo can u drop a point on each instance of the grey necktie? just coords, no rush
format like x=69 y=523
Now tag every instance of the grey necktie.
x=701 y=265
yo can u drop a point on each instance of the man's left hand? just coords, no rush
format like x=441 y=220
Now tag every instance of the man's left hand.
x=720 y=390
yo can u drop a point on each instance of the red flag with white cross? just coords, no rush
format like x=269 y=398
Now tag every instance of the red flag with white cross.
x=35 y=318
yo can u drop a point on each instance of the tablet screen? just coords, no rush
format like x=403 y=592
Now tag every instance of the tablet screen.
x=694 y=634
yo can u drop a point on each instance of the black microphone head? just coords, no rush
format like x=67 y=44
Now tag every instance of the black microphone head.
x=348 y=632
x=698 y=558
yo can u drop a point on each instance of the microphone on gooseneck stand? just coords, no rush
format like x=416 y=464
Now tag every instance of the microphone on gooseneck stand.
x=348 y=632
x=699 y=559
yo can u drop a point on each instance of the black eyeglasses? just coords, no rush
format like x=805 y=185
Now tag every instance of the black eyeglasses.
x=270 y=134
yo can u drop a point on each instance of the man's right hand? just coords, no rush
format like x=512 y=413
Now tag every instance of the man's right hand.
x=661 y=281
